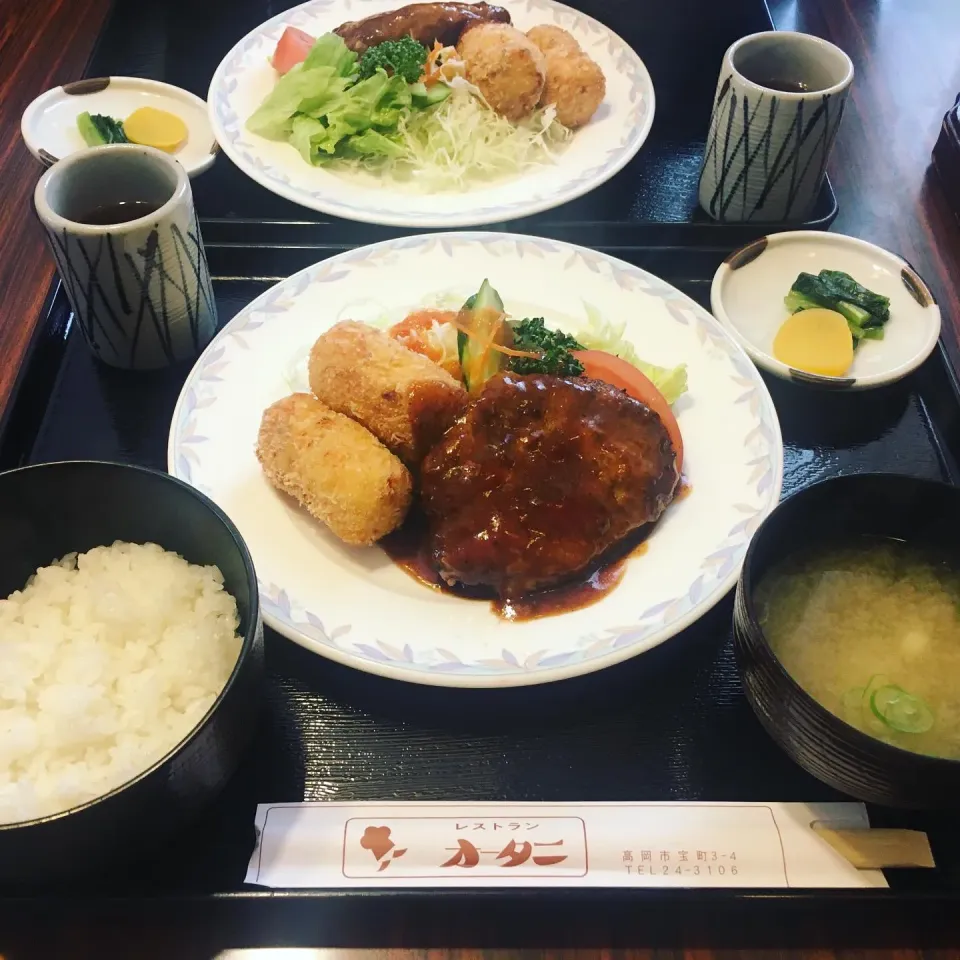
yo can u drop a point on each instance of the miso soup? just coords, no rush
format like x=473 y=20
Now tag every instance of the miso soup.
x=872 y=632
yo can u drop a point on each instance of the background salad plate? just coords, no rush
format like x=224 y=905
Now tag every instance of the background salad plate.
x=595 y=154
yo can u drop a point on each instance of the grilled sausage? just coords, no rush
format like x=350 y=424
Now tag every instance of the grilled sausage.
x=425 y=22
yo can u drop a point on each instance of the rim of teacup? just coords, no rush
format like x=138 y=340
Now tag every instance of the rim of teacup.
x=62 y=167
x=798 y=37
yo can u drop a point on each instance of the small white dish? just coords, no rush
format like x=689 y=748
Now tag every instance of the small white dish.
x=749 y=287
x=49 y=124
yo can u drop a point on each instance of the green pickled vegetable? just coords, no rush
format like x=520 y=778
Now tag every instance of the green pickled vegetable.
x=866 y=312
x=97 y=129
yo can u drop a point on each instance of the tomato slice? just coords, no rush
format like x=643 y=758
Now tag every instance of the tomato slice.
x=600 y=365
x=292 y=49
x=415 y=333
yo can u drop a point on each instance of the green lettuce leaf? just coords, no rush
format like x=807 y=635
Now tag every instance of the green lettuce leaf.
x=331 y=51
x=302 y=134
x=370 y=143
x=599 y=333
x=319 y=108
x=308 y=91
x=377 y=102
x=310 y=88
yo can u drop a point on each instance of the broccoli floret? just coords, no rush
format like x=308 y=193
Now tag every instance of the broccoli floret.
x=404 y=58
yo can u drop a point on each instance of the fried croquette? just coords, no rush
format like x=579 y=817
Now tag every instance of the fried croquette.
x=554 y=39
x=335 y=468
x=575 y=85
x=401 y=397
x=508 y=68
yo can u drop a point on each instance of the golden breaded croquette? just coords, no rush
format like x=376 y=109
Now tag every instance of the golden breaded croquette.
x=508 y=68
x=336 y=469
x=575 y=85
x=550 y=38
x=401 y=397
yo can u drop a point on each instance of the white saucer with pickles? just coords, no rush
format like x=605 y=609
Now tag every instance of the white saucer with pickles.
x=826 y=309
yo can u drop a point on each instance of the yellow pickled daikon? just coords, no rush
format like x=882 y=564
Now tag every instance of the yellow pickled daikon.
x=815 y=341
x=155 y=128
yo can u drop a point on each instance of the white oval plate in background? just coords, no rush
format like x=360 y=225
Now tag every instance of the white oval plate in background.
x=749 y=287
x=598 y=150
x=49 y=124
x=354 y=605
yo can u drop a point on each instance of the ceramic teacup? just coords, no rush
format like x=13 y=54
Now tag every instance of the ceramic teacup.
x=122 y=227
x=779 y=101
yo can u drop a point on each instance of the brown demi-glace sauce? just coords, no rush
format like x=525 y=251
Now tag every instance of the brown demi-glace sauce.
x=407 y=548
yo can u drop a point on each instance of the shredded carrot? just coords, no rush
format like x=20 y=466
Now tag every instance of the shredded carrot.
x=431 y=71
x=507 y=351
x=470 y=330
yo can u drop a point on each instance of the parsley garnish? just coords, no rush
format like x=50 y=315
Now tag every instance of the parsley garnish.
x=554 y=345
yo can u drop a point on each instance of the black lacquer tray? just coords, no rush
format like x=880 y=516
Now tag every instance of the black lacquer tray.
x=670 y=725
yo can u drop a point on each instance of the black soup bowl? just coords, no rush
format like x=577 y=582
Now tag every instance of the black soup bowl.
x=53 y=509
x=923 y=513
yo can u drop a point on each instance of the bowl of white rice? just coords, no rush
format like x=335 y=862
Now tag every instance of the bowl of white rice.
x=131 y=663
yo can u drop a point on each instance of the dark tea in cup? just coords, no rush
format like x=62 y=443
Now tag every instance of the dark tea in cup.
x=123 y=211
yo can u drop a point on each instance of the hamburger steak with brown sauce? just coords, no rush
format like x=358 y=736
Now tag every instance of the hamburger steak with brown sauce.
x=425 y=22
x=539 y=478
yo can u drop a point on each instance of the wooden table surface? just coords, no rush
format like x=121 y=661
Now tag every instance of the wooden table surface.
x=43 y=43
x=907 y=58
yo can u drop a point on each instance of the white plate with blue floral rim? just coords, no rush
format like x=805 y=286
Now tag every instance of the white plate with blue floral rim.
x=595 y=153
x=354 y=605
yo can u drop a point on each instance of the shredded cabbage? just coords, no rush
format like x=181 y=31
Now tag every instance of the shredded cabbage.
x=600 y=333
x=461 y=141
x=442 y=337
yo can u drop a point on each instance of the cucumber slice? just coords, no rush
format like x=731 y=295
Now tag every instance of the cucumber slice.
x=487 y=323
x=437 y=94
x=424 y=96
